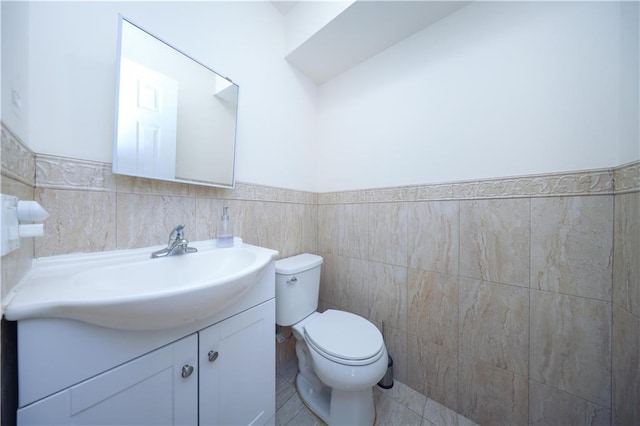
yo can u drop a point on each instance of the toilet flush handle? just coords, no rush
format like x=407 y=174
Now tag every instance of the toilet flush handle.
x=292 y=280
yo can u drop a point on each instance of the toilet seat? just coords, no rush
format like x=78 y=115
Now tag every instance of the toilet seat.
x=344 y=338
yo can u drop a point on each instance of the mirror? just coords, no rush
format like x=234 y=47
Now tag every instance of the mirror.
x=175 y=117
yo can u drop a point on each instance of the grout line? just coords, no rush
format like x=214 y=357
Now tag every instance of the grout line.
x=529 y=322
x=612 y=306
x=458 y=346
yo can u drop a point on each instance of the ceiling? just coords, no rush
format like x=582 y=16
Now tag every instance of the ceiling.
x=284 y=6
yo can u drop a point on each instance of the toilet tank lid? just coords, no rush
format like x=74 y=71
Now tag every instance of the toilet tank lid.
x=299 y=263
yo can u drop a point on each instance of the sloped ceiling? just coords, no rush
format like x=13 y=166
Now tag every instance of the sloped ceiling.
x=362 y=30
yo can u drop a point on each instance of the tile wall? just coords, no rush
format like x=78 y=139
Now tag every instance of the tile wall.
x=17 y=178
x=626 y=297
x=511 y=301
x=93 y=210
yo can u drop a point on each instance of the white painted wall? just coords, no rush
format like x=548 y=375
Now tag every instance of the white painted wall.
x=15 y=49
x=630 y=82
x=495 y=89
x=72 y=51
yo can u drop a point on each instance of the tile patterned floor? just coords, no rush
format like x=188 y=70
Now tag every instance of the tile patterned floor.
x=399 y=405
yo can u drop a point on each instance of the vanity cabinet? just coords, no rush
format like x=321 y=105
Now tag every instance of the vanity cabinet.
x=237 y=369
x=219 y=375
x=148 y=390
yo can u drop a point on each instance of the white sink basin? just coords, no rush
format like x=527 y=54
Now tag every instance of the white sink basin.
x=128 y=290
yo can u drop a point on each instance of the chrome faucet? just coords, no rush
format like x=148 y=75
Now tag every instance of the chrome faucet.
x=177 y=244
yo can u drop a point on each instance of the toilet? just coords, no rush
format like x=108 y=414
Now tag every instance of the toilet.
x=341 y=356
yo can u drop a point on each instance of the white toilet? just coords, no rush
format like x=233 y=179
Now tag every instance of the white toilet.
x=341 y=356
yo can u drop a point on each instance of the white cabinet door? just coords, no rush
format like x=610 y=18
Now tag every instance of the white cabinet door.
x=237 y=387
x=149 y=390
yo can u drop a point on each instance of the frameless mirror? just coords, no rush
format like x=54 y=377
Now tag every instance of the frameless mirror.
x=175 y=117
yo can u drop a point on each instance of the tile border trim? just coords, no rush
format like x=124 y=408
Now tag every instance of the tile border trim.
x=612 y=181
x=67 y=173
x=54 y=172
x=17 y=159
x=627 y=178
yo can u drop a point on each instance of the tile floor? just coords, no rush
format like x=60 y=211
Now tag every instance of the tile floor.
x=399 y=405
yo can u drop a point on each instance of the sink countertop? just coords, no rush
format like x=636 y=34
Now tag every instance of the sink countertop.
x=127 y=289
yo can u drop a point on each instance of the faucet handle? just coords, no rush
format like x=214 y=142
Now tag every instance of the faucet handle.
x=178 y=231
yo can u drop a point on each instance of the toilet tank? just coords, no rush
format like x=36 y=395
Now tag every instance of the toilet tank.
x=297 y=287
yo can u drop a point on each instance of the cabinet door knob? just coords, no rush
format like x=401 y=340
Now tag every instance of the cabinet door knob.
x=213 y=355
x=186 y=370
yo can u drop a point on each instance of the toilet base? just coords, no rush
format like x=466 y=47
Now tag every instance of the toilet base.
x=336 y=407
x=316 y=398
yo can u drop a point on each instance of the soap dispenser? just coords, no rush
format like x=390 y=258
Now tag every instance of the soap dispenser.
x=224 y=235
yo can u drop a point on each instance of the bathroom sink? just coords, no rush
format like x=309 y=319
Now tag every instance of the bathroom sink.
x=126 y=289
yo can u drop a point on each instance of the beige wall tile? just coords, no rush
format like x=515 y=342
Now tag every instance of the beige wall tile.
x=572 y=245
x=626 y=267
x=549 y=406
x=388 y=297
x=433 y=236
x=352 y=279
x=297 y=227
x=310 y=219
x=415 y=363
x=570 y=345
x=16 y=264
x=16 y=188
x=329 y=282
x=247 y=224
x=208 y=213
x=147 y=220
x=79 y=221
x=494 y=240
x=494 y=324
x=396 y=343
x=597 y=415
x=433 y=307
x=254 y=222
x=270 y=231
x=491 y=396
x=436 y=366
x=432 y=370
x=329 y=228
x=626 y=367
x=354 y=230
x=388 y=233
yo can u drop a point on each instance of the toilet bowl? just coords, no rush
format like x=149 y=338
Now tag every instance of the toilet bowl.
x=341 y=356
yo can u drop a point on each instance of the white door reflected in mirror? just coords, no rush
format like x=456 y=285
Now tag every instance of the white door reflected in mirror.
x=148 y=108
